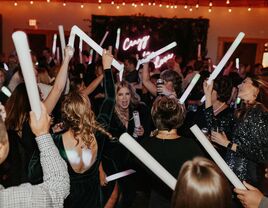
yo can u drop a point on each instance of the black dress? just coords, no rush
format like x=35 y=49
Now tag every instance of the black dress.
x=85 y=187
x=171 y=154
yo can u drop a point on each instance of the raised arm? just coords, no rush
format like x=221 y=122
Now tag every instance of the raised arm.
x=146 y=80
x=107 y=107
x=93 y=85
x=60 y=81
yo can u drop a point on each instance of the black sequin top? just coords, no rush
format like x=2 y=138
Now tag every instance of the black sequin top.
x=251 y=136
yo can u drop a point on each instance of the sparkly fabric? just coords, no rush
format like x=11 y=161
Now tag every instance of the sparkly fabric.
x=224 y=121
x=251 y=136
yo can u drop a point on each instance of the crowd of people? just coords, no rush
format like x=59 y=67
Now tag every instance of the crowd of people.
x=63 y=159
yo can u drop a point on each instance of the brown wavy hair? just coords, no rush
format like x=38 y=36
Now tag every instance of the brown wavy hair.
x=78 y=116
x=201 y=184
x=17 y=108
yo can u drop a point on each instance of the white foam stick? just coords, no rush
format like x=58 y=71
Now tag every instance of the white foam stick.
x=155 y=54
x=136 y=117
x=134 y=147
x=224 y=60
x=91 y=56
x=265 y=59
x=54 y=45
x=117 y=38
x=120 y=175
x=104 y=38
x=77 y=31
x=216 y=157
x=26 y=63
x=80 y=50
x=237 y=63
x=62 y=40
x=189 y=88
x=6 y=91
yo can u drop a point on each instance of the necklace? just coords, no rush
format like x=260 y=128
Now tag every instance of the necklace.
x=165 y=134
x=216 y=110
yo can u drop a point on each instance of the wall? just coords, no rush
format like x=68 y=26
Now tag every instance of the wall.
x=50 y=15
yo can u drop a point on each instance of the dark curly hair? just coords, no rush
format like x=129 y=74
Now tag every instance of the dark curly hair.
x=167 y=113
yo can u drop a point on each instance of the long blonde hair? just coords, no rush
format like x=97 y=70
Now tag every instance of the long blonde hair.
x=78 y=116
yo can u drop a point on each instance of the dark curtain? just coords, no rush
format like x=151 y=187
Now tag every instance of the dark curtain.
x=188 y=33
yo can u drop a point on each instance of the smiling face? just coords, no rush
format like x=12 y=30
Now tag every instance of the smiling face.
x=247 y=91
x=123 y=98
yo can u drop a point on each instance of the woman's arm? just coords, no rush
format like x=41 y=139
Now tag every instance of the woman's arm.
x=92 y=86
x=60 y=81
x=146 y=80
x=107 y=108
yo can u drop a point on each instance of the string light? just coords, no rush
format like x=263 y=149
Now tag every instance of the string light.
x=149 y=3
x=64 y=4
x=190 y=9
x=48 y=1
x=124 y=3
x=142 y=4
x=112 y=2
x=99 y=7
x=160 y=5
x=117 y=7
x=15 y=3
x=249 y=9
x=153 y=3
x=82 y=6
x=209 y=10
x=185 y=6
x=99 y=1
x=133 y=4
x=31 y=2
x=210 y=4
x=230 y=10
x=227 y=1
x=175 y=7
x=167 y=6
x=197 y=4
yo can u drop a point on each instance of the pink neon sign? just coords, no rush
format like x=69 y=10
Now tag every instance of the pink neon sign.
x=141 y=43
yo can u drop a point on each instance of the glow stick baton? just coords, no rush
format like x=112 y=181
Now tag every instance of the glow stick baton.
x=6 y=91
x=237 y=63
x=120 y=175
x=104 y=38
x=217 y=158
x=155 y=54
x=54 y=45
x=199 y=57
x=62 y=40
x=77 y=31
x=91 y=56
x=134 y=147
x=26 y=63
x=58 y=54
x=80 y=50
x=224 y=60
x=117 y=38
x=189 y=88
x=5 y=67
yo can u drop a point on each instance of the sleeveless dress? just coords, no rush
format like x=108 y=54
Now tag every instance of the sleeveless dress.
x=85 y=187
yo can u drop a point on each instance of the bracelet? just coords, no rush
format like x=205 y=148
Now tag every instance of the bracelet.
x=230 y=145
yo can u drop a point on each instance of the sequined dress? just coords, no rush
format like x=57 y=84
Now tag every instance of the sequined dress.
x=251 y=136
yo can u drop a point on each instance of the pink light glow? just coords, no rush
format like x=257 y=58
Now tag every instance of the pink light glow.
x=141 y=43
